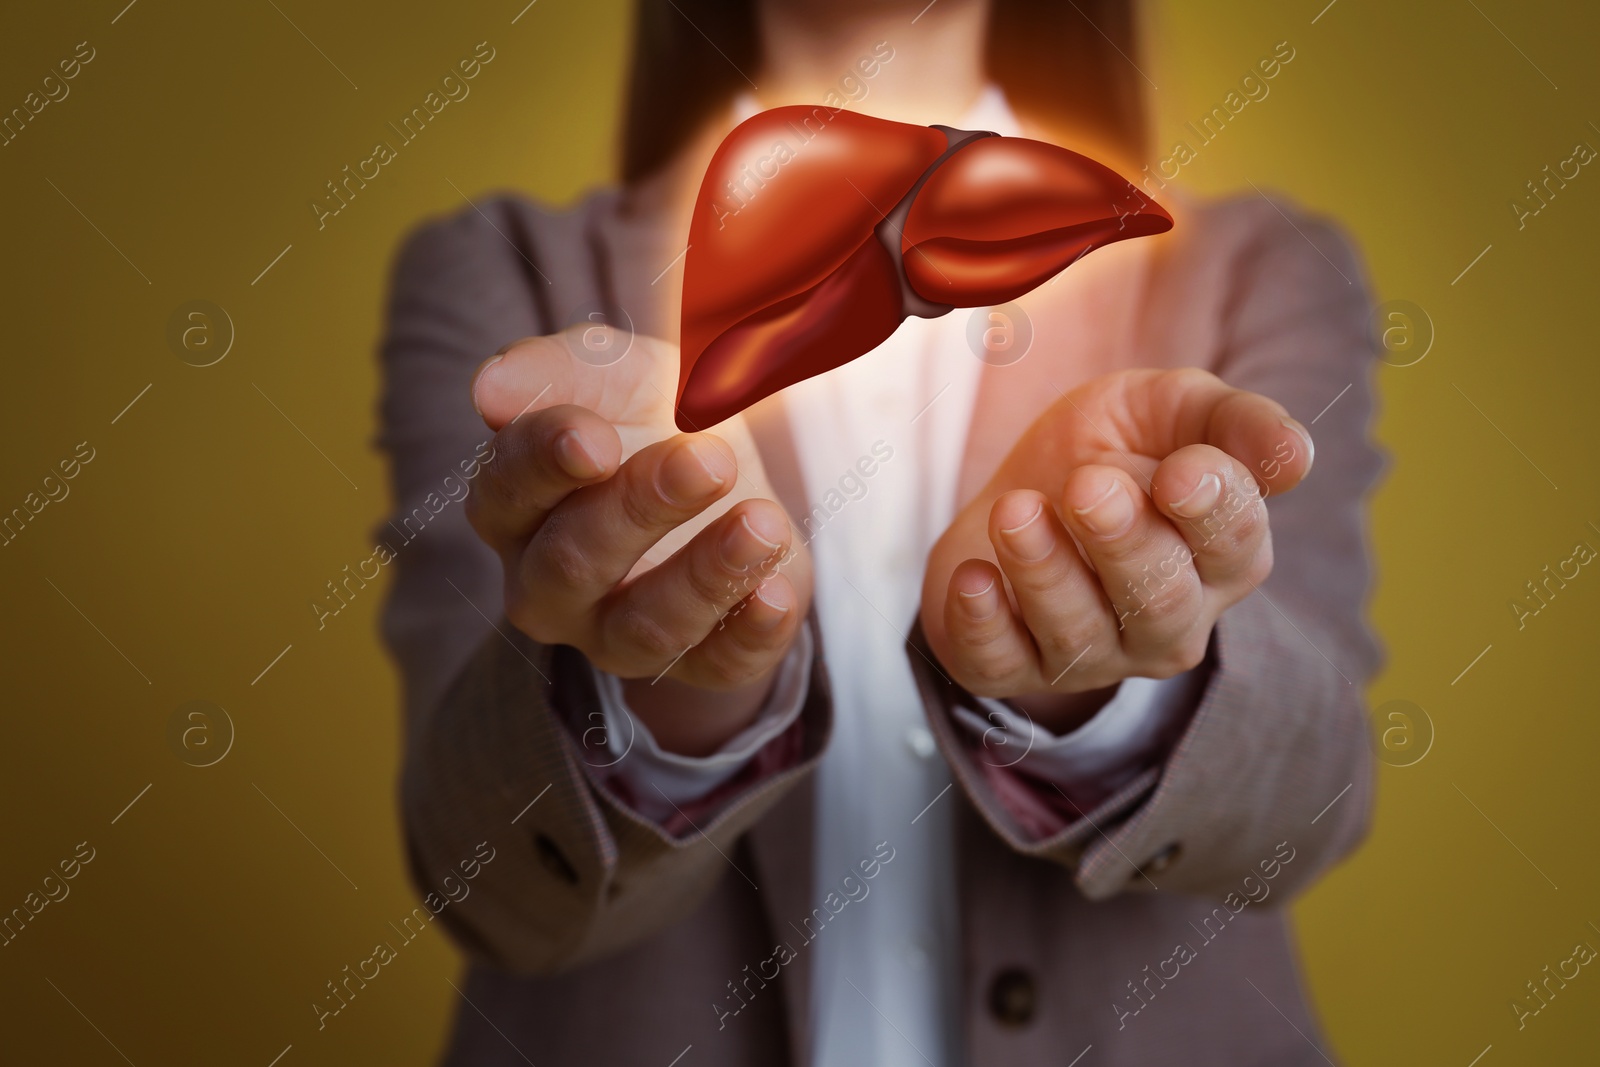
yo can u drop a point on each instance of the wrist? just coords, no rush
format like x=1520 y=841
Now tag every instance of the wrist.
x=1062 y=713
x=689 y=720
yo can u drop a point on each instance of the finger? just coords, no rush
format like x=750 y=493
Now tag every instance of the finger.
x=1144 y=567
x=679 y=603
x=1218 y=509
x=536 y=463
x=991 y=653
x=1061 y=600
x=1259 y=433
x=1167 y=410
x=589 y=543
x=750 y=641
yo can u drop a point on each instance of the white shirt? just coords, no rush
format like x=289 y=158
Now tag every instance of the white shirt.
x=886 y=978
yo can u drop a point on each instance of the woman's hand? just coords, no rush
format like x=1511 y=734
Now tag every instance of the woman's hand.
x=656 y=554
x=1121 y=525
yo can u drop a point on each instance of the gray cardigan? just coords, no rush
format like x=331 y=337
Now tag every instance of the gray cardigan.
x=1150 y=929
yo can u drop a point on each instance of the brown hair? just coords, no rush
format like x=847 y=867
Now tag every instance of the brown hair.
x=1064 y=65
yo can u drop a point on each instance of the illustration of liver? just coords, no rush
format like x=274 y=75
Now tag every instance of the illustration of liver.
x=817 y=232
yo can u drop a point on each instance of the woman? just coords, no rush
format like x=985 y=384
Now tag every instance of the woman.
x=963 y=722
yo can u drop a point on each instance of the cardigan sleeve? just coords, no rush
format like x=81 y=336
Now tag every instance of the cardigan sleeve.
x=489 y=753
x=1277 y=757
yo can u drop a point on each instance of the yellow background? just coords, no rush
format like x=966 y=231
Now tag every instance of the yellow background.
x=197 y=537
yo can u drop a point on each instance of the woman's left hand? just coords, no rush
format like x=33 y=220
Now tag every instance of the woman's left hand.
x=1159 y=476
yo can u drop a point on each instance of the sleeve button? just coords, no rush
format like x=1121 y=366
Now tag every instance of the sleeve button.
x=1013 y=997
x=1161 y=860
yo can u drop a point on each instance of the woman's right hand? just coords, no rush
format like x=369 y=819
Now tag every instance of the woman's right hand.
x=654 y=553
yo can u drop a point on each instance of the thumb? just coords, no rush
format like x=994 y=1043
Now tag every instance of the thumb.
x=625 y=378
x=524 y=376
x=1172 y=409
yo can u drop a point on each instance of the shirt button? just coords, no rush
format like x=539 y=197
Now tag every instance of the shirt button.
x=921 y=742
x=1012 y=997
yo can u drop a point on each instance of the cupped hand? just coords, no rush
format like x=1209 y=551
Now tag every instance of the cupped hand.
x=661 y=556
x=1126 y=519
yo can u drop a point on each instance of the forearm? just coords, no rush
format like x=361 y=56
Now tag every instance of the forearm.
x=1276 y=737
x=579 y=873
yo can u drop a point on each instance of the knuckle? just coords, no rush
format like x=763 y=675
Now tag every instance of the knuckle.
x=1240 y=543
x=1259 y=569
x=1155 y=601
x=709 y=582
x=1245 y=526
x=747 y=640
x=1067 y=642
x=1207 y=531
x=564 y=560
x=725 y=669
x=523 y=613
x=1051 y=577
x=640 y=634
x=1191 y=377
x=972 y=644
x=1186 y=654
x=989 y=675
x=641 y=504
x=506 y=499
x=1171 y=601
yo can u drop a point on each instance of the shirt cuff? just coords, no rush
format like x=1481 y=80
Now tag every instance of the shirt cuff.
x=660 y=784
x=1126 y=737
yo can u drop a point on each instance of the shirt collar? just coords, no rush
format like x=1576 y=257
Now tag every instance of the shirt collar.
x=990 y=111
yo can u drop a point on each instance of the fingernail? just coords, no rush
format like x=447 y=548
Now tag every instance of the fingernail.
x=742 y=546
x=689 y=474
x=576 y=458
x=1031 y=541
x=763 y=620
x=1109 y=516
x=771 y=544
x=1305 y=435
x=1201 y=499
x=478 y=376
x=980 y=605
